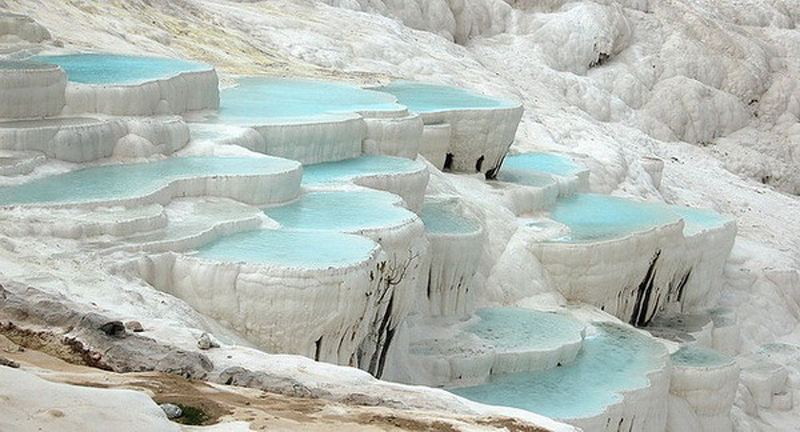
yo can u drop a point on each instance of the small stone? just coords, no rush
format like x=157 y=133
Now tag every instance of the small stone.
x=206 y=341
x=134 y=326
x=10 y=363
x=172 y=411
x=113 y=328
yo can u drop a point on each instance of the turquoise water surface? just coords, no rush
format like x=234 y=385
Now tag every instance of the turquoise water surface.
x=273 y=99
x=345 y=170
x=119 y=69
x=515 y=329
x=614 y=360
x=111 y=182
x=592 y=217
x=698 y=219
x=526 y=178
x=307 y=249
x=549 y=163
x=341 y=211
x=699 y=357
x=443 y=217
x=421 y=97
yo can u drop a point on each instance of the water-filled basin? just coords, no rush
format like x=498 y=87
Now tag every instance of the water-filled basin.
x=265 y=100
x=111 y=182
x=348 y=169
x=421 y=98
x=341 y=211
x=287 y=248
x=612 y=361
x=90 y=68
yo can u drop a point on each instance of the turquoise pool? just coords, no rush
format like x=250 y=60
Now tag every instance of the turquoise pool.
x=346 y=170
x=91 y=68
x=341 y=211
x=515 y=329
x=526 y=178
x=286 y=248
x=420 y=97
x=256 y=100
x=548 y=163
x=443 y=217
x=610 y=362
x=698 y=219
x=110 y=182
x=699 y=357
x=593 y=217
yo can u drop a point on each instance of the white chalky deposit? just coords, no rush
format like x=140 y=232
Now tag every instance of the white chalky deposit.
x=680 y=119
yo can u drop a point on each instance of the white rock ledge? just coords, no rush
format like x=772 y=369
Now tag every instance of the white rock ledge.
x=327 y=138
x=31 y=90
x=184 y=92
x=85 y=139
x=318 y=313
x=479 y=138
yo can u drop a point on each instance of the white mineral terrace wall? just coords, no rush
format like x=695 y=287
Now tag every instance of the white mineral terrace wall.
x=627 y=277
x=406 y=249
x=187 y=91
x=479 y=138
x=89 y=140
x=31 y=92
x=455 y=358
x=523 y=199
x=322 y=314
x=701 y=279
x=448 y=272
x=635 y=276
x=709 y=391
x=434 y=143
x=328 y=139
x=21 y=27
x=19 y=163
x=410 y=186
x=393 y=136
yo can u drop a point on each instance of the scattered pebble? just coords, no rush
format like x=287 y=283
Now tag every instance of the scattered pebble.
x=206 y=341
x=134 y=326
x=113 y=328
x=10 y=363
x=172 y=411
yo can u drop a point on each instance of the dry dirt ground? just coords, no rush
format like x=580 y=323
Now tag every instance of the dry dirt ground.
x=261 y=410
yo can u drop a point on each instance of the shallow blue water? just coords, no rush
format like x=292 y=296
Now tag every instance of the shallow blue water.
x=307 y=249
x=119 y=69
x=421 y=97
x=519 y=329
x=273 y=99
x=444 y=218
x=699 y=357
x=614 y=360
x=549 y=163
x=341 y=211
x=593 y=217
x=522 y=177
x=697 y=219
x=344 y=170
x=108 y=182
